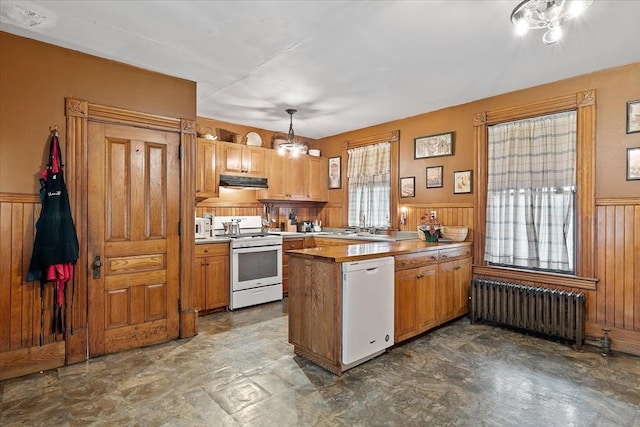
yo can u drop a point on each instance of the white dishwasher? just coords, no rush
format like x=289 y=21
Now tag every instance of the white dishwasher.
x=367 y=309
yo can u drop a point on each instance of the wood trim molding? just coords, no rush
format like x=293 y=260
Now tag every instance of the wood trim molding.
x=374 y=139
x=104 y=113
x=622 y=201
x=188 y=142
x=584 y=103
x=520 y=276
x=79 y=113
x=394 y=138
x=437 y=205
x=19 y=198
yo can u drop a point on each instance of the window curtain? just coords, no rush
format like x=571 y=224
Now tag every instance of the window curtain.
x=369 y=177
x=531 y=192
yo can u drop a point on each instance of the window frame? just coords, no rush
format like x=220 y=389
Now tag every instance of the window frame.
x=584 y=103
x=393 y=137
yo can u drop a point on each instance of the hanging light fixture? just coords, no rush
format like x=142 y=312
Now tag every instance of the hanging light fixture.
x=549 y=14
x=291 y=145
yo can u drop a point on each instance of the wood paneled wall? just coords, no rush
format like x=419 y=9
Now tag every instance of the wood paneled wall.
x=25 y=317
x=617 y=300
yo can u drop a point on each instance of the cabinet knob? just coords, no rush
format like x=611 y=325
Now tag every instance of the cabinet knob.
x=457 y=267
x=403 y=262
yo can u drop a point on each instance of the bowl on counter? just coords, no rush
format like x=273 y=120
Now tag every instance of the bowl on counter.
x=456 y=233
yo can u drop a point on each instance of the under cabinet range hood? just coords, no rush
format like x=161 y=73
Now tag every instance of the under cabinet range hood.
x=243 y=182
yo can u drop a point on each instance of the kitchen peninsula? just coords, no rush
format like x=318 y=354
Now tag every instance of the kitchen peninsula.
x=431 y=287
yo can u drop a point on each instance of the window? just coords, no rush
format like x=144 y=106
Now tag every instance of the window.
x=531 y=193
x=369 y=185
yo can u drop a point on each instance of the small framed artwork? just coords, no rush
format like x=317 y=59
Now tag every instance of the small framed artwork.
x=335 y=172
x=633 y=163
x=633 y=116
x=462 y=182
x=433 y=146
x=434 y=177
x=408 y=187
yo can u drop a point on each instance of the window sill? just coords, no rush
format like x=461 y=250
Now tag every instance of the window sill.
x=520 y=276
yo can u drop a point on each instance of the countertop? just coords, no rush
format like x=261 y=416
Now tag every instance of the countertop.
x=371 y=250
x=365 y=237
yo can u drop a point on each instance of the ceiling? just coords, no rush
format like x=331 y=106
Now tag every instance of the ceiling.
x=343 y=65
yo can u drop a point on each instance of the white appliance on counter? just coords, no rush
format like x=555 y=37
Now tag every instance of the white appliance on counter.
x=203 y=228
x=367 y=309
x=255 y=262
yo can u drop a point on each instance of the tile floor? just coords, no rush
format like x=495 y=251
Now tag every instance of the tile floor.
x=240 y=370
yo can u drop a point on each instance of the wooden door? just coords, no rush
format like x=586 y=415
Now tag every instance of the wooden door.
x=445 y=291
x=317 y=177
x=295 y=178
x=231 y=158
x=426 y=298
x=462 y=281
x=133 y=213
x=406 y=282
x=254 y=161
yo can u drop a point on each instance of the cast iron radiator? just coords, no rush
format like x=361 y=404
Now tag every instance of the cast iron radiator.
x=547 y=312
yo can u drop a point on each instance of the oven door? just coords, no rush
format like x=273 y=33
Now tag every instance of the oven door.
x=256 y=267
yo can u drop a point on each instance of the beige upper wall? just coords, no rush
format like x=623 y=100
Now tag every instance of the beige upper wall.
x=614 y=87
x=35 y=79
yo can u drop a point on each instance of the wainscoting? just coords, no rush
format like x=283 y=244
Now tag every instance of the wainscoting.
x=26 y=341
x=616 y=304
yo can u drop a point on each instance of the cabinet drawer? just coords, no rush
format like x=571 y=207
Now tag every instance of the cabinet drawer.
x=288 y=244
x=213 y=249
x=414 y=260
x=454 y=253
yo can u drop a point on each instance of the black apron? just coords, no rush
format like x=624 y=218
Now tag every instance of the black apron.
x=56 y=241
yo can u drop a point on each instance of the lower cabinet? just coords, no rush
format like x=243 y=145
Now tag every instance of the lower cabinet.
x=211 y=289
x=287 y=245
x=431 y=288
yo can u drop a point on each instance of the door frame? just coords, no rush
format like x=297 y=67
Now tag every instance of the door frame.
x=78 y=114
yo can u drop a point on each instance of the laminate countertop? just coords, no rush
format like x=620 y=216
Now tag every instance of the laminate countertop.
x=370 y=250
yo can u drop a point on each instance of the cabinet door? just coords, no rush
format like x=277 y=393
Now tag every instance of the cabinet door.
x=317 y=179
x=405 y=304
x=277 y=180
x=445 y=292
x=217 y=289
x=462 y=281
x=200 y=280
x=207 y=180
x=427 y=283
x=296 y=173
x=231 y=158
x=254 y=161
x=288 y=244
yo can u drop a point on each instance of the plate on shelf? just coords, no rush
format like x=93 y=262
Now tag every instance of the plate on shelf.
x=254 y=139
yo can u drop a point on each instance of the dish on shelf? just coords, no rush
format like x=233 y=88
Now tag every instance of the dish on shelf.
x=254 y=139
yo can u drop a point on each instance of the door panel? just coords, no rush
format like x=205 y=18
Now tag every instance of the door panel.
x=133 y=226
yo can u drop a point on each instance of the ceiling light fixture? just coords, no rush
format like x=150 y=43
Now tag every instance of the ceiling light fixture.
x=549 y=14
x=291 y=145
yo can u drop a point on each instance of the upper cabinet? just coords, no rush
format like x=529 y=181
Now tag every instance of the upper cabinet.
x=206 y=171
x=317 y=179
x=238 y=159
x=302 y=178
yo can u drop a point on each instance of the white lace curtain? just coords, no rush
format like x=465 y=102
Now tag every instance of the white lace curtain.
x=369 y=184
x=531 y=192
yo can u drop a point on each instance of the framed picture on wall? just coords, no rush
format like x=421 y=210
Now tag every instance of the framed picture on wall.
x=433 y=146
x=633 y=116
x=408 y=186
x=633 y=163
x=335 y=172
x=434 y=176
x=462 y=182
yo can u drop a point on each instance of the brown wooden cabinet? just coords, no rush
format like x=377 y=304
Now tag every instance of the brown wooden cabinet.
x=432 y=288
x=302 y=178
x=317 y=175
x=287 y=245
x=211 y=288
x=237 y=159
x=206 y=171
